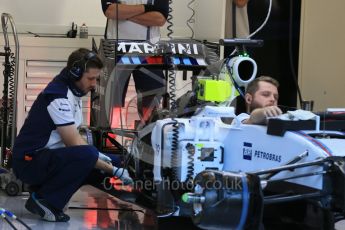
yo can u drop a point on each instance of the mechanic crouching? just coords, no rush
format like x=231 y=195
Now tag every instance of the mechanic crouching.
x=49 y=154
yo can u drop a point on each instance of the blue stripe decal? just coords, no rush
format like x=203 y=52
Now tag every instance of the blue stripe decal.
x=136 y=60
x=125 y=60
x=193 y=61
x=245 y=203
x=176 y=60
x=186 y=61
x=142 y=60
x=315 y=142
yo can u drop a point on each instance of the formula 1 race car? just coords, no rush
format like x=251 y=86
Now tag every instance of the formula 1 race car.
x=221 y=173
x=236 y=176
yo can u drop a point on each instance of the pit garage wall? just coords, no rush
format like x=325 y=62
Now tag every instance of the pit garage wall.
x=322 y=49
x=56 y=17
x=273 y=59
x=41 y=58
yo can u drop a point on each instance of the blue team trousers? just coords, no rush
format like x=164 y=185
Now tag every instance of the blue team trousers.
x=58 y=173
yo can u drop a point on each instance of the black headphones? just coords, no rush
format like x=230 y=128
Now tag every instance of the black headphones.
x=79 y=66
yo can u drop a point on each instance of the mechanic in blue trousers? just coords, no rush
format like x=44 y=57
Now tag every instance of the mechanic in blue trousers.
x=49 y=154
x=261 y=99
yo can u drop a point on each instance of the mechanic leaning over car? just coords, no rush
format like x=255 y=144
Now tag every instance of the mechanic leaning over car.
x=49 y=154
x=261 y=100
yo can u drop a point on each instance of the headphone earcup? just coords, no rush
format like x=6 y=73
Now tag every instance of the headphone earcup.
x=79 y=66
x=76 y=72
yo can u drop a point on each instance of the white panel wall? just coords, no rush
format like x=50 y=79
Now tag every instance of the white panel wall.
x=56 y=17
x=48 y=16
x=322 y=48
x=210 y=19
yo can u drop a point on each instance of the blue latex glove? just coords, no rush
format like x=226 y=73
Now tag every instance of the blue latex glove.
x=104 y=157
x=123 y=175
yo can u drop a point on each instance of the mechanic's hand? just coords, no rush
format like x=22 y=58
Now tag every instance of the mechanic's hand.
x=123 y=175
x=260 y=115
x=104 y=157
x=272 y=111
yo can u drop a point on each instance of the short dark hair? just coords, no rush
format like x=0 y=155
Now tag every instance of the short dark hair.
x=254 y=85
x=80 y=57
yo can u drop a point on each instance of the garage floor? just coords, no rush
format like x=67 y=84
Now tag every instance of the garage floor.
x=91 y=208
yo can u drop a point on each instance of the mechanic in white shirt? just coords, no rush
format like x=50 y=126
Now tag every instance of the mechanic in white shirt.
x=49 y=154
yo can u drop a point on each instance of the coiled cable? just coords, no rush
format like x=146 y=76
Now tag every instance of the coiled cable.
x=172 y=92
x=11 y=88
x=5 y=72
x=174 y=148
x=172 y=100
x=169 y=21
x=190 y=164
x=191 y=20
x=6 y=20
x=4 y=109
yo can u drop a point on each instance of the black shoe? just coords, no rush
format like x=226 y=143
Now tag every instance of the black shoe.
x=44 y=210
